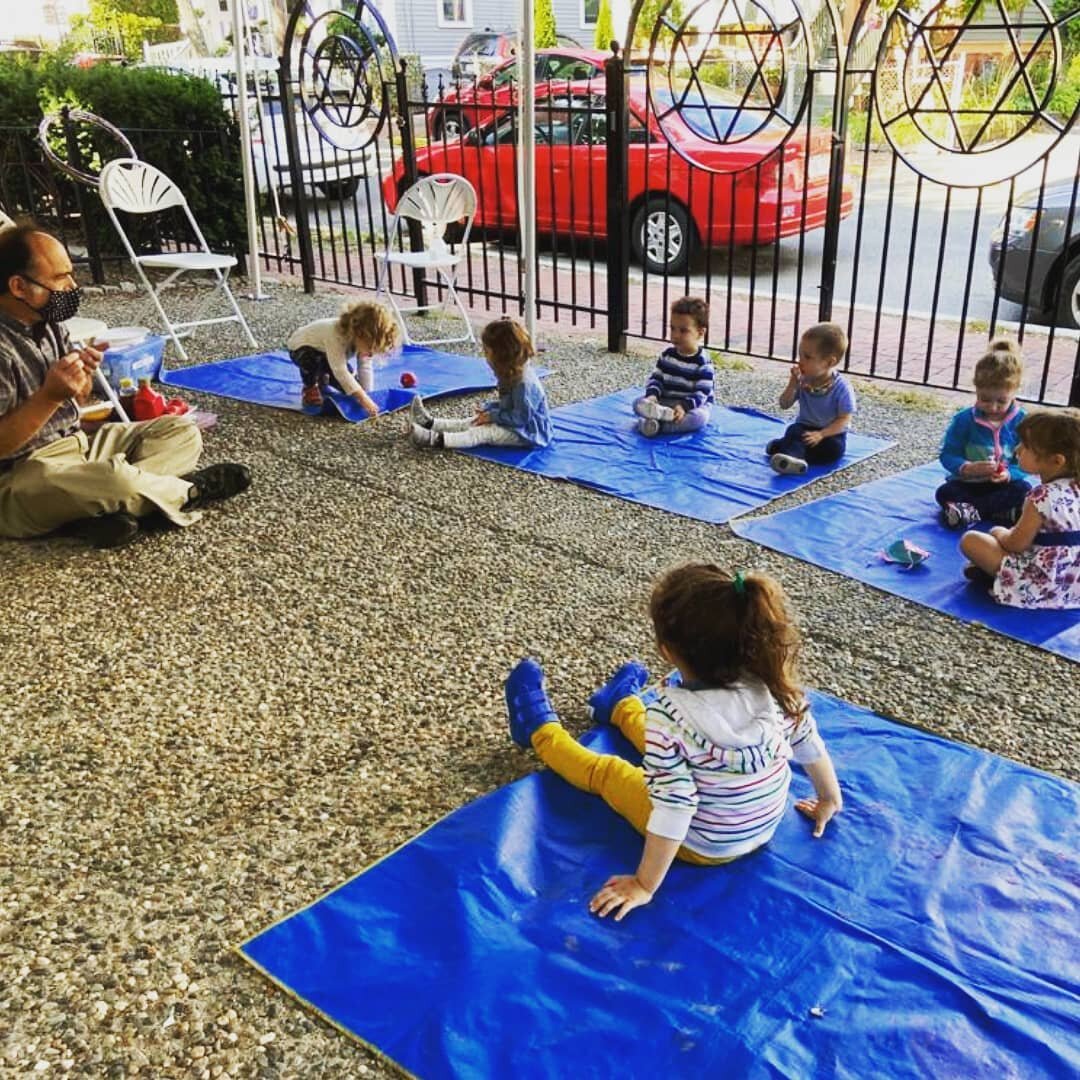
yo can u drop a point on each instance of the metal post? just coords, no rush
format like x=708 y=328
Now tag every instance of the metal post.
x=240 y=43
x=527 y=160
x=74 y=155
x=835 y=198
x=618 y=226
x=408 y=161
x=292 y=144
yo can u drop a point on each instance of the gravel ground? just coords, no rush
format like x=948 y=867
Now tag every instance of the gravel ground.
x=200 y=739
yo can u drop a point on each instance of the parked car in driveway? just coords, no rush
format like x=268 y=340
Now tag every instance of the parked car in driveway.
x=488 y=49
x=469 y=103
x=674 y=208
x=1035 y=256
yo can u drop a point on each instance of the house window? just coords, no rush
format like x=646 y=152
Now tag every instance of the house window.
x=590 y=12
x=454 y=12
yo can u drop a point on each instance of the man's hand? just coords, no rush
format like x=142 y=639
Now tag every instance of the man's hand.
x=677 y=413
x=481 y=418
x=67 y=378
x=92 y=355
x=620 y=894
x=812 y=438
x=820 y=811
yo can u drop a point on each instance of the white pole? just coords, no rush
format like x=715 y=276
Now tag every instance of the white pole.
x=527 y=159
x=240 y=49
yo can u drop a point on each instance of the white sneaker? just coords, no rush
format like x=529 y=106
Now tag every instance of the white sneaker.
x=648 y=427
x=422 y=436
x=651 y=409
x=418 y=414
x=787 y=465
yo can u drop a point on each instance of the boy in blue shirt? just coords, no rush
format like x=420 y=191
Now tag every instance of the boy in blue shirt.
x=979 y=449
x=826 y=404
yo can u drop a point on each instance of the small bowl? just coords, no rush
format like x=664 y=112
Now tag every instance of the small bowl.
x=97 y=412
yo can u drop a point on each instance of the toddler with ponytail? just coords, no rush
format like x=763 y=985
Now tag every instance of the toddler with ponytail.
x=716 y=743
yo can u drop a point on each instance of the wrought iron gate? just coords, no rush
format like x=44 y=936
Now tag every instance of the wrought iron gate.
x=754 y=152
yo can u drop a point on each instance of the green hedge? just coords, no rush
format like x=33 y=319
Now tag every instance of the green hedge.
x=175 y=122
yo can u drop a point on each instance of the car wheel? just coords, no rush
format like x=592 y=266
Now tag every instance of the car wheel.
x=339 y=189
x=1068 y=308
x=450 y=126
x=661 y=236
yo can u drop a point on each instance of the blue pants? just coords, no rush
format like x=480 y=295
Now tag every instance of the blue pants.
x=830 y=449
x=997 y=503
x=693 y=420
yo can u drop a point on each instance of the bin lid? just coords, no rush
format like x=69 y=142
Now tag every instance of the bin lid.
x=119 y=337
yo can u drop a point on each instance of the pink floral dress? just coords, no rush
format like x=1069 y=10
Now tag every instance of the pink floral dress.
x=1047 y=574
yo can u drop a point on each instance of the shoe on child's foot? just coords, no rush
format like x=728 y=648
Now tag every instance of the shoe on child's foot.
x=418 y=414
x=959 y=515
x=648 y=427
x=978 y=576
x=105 y=531
x=425 y=437
x=627 y=681
x=787 y=465
x=311 y=400
x=527 y=703
x=651 y=409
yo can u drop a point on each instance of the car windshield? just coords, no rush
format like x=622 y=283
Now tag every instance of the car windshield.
x=479 y=45
x=708 y=114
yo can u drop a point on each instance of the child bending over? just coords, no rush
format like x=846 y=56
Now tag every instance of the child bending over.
x=985 y=480
x=678 y=397
x=826 y=403
x=322 y=350
x=714 y=778
x=519 y=417
x=1036 y=563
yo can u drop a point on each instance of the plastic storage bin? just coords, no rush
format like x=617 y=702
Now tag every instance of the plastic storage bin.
x=136 y=361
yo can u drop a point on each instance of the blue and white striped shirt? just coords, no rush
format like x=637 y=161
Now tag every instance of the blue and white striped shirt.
x=682 y=380
x=716 y=765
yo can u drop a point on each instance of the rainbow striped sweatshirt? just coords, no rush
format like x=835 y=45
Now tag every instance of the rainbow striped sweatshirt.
x=716 y=765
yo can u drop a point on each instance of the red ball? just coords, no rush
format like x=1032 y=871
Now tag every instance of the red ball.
x=408 y=379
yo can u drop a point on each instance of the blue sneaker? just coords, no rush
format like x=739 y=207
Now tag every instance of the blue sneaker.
x=527 y=702
x=626 y=682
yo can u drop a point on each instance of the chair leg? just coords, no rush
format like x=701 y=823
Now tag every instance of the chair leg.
x=170 y=332
x=452 y=293
x=223 y=282
x=384 y=272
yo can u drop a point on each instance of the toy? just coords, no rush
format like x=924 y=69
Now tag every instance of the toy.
x=906 y=554
x=408 y=380
x=176 y=407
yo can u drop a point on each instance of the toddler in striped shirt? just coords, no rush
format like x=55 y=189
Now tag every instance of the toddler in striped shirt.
x=713 y=783
x=678 y=397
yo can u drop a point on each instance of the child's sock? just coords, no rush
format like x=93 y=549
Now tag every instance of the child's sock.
x=418 y=414
x=651 y=409
x=648 y=427
x=425 y=437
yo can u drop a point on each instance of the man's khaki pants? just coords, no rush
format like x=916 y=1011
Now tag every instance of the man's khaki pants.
x=132 y=467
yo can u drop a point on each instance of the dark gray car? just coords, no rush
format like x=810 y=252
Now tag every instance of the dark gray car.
x=1035 y=255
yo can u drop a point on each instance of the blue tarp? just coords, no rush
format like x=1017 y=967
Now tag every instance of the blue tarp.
x=934 y=925
x=273 y=379
x=711 y=475
x=846 y=533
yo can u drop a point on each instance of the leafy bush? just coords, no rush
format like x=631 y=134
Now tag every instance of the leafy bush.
x=605 y=27
x=175 y=122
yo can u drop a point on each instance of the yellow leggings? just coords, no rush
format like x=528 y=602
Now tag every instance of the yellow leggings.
x=620 y=784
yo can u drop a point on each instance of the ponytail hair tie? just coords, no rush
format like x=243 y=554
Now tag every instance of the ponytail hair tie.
x=738 y=583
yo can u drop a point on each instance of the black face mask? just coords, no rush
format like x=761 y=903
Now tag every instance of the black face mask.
x=61 y=305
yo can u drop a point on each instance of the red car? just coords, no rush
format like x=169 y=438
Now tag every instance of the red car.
x=468 y=105
x=674 y=208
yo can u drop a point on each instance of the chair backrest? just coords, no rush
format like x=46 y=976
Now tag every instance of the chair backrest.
x=438 y=201
x=5 y=221
x=137 y=188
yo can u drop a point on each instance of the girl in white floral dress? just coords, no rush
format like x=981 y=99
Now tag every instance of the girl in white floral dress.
x=1036 y=563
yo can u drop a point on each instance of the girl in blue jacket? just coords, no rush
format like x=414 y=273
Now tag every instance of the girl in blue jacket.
x=518 y=417
x=985 y=480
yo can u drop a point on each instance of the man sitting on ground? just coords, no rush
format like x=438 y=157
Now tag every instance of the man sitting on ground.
x=51 y=474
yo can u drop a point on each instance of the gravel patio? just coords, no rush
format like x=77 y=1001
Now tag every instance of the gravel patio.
x=215 y=726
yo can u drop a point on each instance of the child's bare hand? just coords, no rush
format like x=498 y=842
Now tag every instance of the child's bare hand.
x=820 y=811
x=812 y=438
x=366 y=404
x=677 y=413
x=620 y=895
x=978 y=470
x=481 y=418
x=795 y=375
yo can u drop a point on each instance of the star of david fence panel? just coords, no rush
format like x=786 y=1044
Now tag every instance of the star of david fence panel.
x=908 y=170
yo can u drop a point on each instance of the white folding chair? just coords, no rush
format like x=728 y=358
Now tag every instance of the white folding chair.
x=5 y=221
x=135 y=187
x=435 y=202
